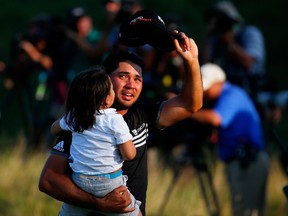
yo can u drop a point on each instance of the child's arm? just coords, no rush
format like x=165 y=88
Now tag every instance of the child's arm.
x=127 y=150
x=55 y=127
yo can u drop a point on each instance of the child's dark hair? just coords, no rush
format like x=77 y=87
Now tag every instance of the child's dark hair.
x=86 y=93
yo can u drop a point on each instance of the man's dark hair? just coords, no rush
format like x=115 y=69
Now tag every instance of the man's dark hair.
x=111 y=62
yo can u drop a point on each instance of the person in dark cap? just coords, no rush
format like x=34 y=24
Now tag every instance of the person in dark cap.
x=237 y=47
x=126 y=72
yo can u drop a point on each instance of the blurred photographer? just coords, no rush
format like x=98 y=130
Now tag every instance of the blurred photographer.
x=26 y=76
x=235 y=46
x=239 y=49
x=240 y=140
x=86 y=43
x=122 y=11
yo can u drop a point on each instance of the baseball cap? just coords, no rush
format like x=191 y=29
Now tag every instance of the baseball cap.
x=211 y=74
x=77 y=12
x=74 y=14
x=147 y=27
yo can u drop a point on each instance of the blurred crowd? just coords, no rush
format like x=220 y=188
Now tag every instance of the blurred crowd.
x=46 y=56
x=53 y=49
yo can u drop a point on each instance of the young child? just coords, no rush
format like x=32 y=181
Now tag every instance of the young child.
x=100 y=138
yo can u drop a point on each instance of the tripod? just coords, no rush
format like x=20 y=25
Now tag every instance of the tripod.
x=206 y=185
x=195 y=137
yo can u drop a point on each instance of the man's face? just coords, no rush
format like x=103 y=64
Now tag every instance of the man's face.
x=127 y=81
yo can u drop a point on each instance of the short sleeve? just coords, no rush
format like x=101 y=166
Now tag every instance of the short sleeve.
x=64 y=125
x=120 y=129
x=63 y=143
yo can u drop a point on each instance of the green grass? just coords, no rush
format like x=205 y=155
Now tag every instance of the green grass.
x=19 y=194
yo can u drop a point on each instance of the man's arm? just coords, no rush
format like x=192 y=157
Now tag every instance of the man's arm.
x=55 y=182
x=190 y=98
x=55 y=127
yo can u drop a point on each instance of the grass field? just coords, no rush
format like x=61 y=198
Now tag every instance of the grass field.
x=19 y=194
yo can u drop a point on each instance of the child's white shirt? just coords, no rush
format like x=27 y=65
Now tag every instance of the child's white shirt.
x=95 y=151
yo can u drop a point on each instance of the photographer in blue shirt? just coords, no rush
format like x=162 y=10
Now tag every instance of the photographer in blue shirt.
x=240 y=140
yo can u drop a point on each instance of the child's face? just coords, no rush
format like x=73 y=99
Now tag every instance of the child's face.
x=110 y=97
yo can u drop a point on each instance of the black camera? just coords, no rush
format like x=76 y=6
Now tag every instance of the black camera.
x=218 y=22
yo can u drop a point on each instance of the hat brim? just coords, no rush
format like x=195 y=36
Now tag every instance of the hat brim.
x=164 y=40
x=153 y=34
x=129 y=36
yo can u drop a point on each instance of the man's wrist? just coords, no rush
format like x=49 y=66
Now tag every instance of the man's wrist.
x=97 y=203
